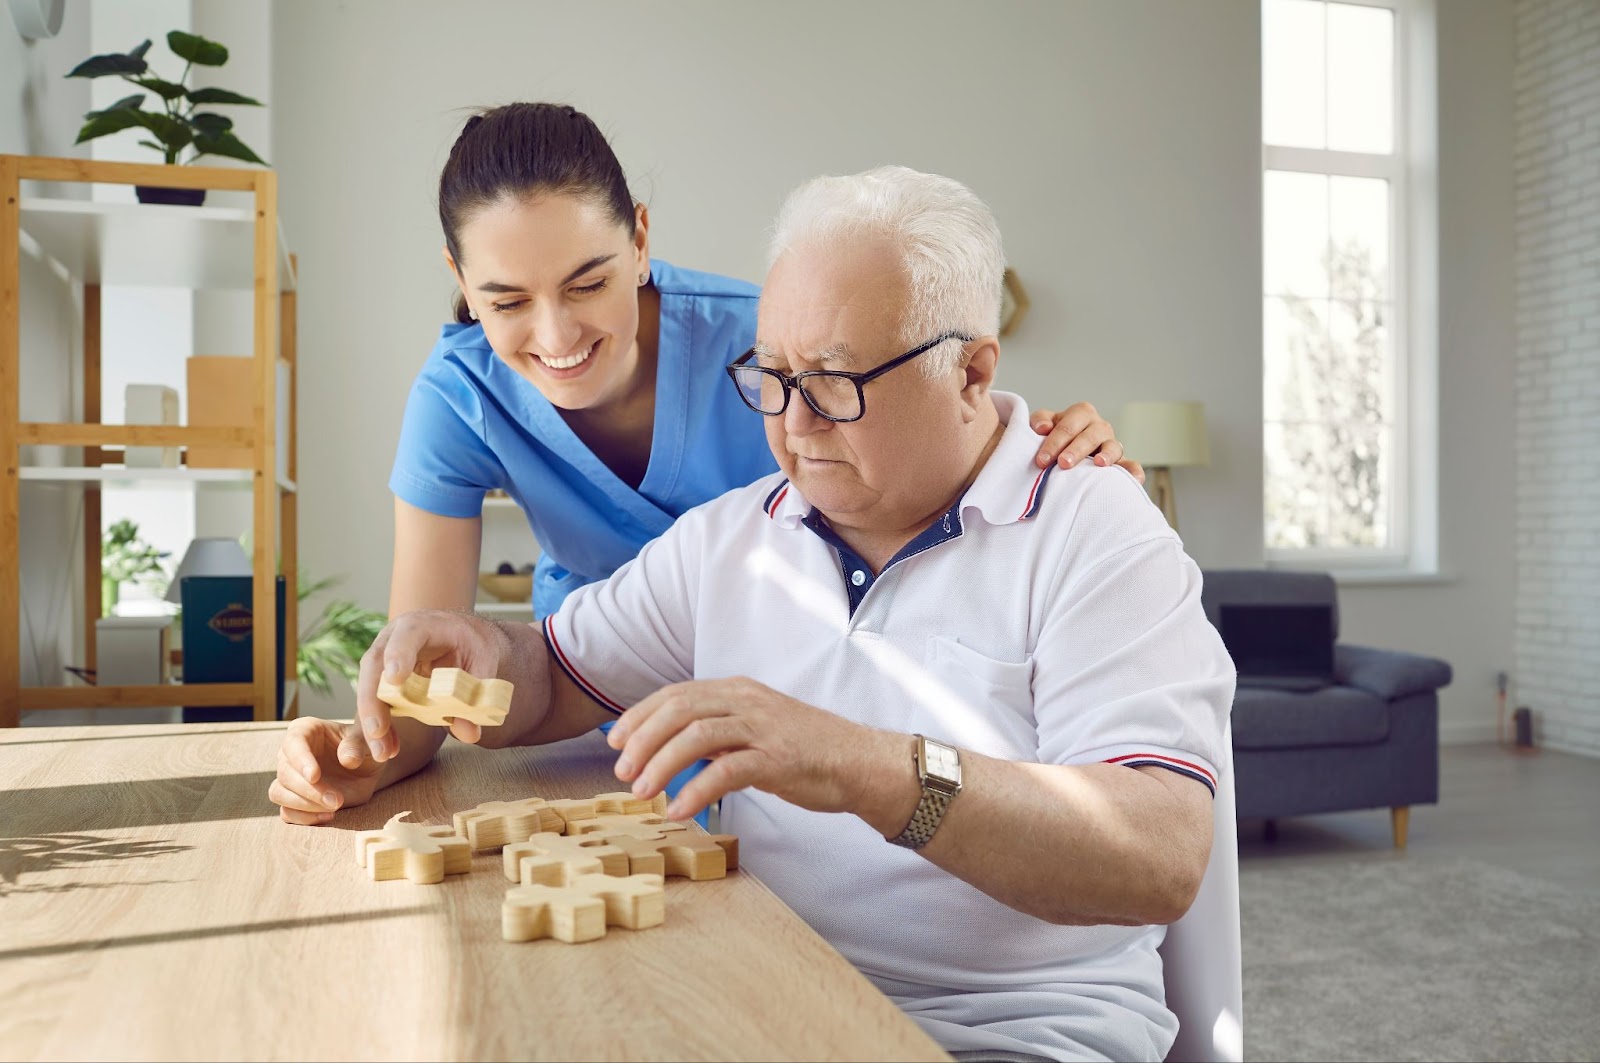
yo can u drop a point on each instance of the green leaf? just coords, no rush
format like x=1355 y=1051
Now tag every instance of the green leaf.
x=152 y=145
x=173 y=133
x=209 y=124
x=167 y=90
x=139 y=51
x=196 y=49
x=104 y=123
x=98 y=66
x=228 y=146
x=127 y=103
x=209 y=95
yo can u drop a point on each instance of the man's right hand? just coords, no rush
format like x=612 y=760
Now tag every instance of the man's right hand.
x=323 y=766
x=420 y=642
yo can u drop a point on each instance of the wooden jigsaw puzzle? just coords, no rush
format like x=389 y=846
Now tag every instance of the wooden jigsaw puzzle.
x=422 y=853
x=555 y=859
x=582 y=911
x=448 y=694
x=496 y=823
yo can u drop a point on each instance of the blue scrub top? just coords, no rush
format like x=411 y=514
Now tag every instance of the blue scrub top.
x=472 y=424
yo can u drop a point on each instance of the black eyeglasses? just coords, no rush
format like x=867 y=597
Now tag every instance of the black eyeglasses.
x=833 y=395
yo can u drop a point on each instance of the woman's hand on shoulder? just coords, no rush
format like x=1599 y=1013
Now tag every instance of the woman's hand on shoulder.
x=1079 y=433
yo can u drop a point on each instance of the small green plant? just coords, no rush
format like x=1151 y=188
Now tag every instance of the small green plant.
x=334 y=643
x=180 y=123
x=126 y=558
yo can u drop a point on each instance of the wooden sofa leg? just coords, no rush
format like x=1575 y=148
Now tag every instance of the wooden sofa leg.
x=1400 y=819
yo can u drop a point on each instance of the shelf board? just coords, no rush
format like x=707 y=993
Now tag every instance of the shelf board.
x=119 y=476
x=150 y=245
x=503 y=608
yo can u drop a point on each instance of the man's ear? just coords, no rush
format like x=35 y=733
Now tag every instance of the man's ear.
x=982 y=358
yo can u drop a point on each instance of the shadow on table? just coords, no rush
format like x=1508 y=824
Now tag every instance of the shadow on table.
x=200 y=933
x=41 y=854
x=47 y=810
x=44 y=733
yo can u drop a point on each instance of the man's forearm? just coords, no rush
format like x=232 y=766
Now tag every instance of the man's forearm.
x=1071 y=845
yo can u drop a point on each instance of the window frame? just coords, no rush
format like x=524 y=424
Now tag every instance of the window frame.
x=1404 y=552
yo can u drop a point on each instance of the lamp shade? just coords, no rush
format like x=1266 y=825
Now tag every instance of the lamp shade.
x=209 y=557
x=1165 y=433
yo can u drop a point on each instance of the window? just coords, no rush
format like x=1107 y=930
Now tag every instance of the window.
x=1336 y=454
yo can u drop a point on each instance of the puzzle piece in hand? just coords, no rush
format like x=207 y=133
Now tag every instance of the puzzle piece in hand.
x=583 y=910
x=496 y=823
x=642 y=825
x=686 y=854
x=422 y=853
x=448 y=694
x=555 y=860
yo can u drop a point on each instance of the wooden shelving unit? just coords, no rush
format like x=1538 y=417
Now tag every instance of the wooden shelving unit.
x=146 y=244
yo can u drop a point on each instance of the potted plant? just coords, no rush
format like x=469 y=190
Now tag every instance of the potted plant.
x=179 y=125
x=334 y=643
x=125 y=558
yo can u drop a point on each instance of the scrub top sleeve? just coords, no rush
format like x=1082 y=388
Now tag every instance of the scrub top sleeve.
x=442 y=464
x=1134 y=673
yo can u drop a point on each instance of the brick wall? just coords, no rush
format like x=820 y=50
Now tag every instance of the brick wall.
x=1558 y=370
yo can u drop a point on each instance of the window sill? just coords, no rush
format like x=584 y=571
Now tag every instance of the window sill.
x=1369 y=577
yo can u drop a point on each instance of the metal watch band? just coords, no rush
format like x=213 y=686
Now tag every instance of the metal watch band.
x=925 y=820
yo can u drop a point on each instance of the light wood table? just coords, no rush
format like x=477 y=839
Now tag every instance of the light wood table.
x=153 y=906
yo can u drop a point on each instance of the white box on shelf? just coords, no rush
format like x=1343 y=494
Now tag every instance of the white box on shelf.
x=131 y=650
x=150 y=404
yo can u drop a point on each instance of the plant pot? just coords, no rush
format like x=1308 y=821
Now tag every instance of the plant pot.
x=178 y=197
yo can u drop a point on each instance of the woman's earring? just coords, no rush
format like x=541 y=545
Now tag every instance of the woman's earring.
x=473 y=314
x=642 y=278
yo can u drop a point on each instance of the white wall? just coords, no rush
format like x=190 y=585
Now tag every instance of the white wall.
x=1116 y=140
x=40 y=113
x=1558 y=369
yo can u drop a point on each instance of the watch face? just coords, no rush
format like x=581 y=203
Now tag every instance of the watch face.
x=942 y=762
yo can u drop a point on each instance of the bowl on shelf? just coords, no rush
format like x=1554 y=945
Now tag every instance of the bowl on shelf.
x=516 y=587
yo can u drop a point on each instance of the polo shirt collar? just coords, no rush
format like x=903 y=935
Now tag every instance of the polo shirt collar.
x=1009 y=487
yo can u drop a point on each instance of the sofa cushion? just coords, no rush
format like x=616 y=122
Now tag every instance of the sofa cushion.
x=1285 y=719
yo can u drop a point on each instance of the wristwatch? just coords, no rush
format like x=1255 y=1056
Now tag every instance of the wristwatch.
x=939 y=771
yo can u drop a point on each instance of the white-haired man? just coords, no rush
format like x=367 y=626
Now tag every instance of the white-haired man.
x=1006 y=672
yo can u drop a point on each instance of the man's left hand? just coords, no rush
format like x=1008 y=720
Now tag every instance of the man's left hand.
x=753 y=736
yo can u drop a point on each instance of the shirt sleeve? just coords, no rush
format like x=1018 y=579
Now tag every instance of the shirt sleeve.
x=625 y=637
x=1129 y=670
x=443 y=465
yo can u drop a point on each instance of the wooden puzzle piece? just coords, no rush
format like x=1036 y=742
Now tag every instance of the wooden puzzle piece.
x=582 y=910
x=496 y=823
x=572 y=810
x=555 y=860
x=422 y=853
x=643 y=825
x=622 y=803
x=448 y=694
x=685 y=854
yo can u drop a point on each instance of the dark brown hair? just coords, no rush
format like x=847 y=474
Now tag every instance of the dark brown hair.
x=524 y=150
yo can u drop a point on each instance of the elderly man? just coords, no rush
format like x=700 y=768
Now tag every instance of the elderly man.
x=1001 y=677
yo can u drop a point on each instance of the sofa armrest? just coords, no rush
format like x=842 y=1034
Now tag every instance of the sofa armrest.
x=1388 y=674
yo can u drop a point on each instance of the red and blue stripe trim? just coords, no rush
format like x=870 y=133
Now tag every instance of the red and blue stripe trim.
x=573 y=673
x=1182 y=767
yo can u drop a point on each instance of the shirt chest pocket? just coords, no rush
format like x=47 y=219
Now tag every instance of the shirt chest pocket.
x=992 y=698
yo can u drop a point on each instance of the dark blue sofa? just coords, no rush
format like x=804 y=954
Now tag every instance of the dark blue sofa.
x=1370 y=739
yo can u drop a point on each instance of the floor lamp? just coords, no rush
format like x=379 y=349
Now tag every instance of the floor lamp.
x=1162 y=436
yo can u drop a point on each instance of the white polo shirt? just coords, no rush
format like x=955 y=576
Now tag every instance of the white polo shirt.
x=1050 y=617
